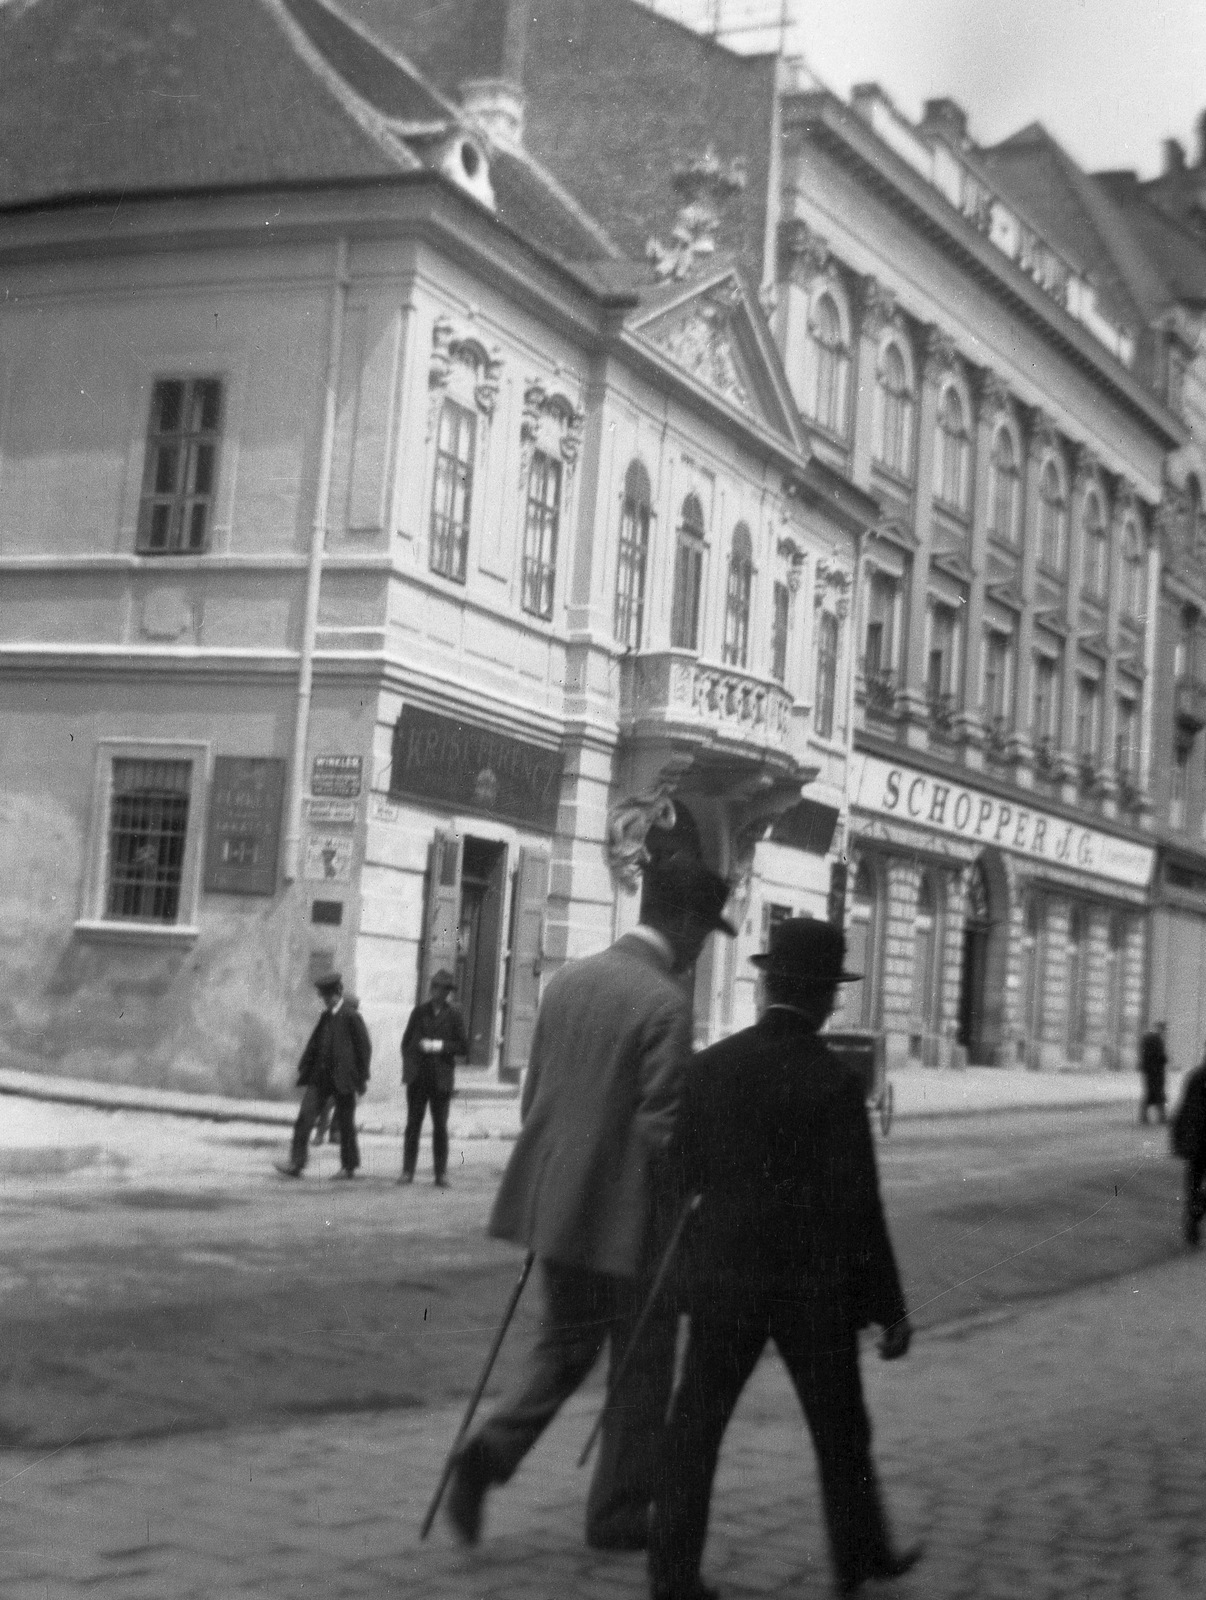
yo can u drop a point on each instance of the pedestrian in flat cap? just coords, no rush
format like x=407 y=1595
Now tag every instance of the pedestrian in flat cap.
x=434 y=1037
x=1153 y=1064
x=789 y=1243
x=611 y=1043
x=1188 y=1133
x=333 y=1066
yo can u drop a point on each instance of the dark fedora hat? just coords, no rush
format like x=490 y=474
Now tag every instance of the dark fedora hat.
x=442 y=979
x=329 y=981
x=681 y=882
x=810 y=952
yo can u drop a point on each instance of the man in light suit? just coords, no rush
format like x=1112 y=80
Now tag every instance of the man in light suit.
x=611 y=1045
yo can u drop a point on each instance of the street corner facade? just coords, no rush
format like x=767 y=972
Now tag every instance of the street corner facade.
x=382 y=583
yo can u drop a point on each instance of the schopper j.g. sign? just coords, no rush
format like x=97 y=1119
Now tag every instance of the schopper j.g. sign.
x=889 y=789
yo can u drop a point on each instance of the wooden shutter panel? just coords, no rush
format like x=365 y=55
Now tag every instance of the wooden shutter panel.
x=527 y=950
x=442 y=922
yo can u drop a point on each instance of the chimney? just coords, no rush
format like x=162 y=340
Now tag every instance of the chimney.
x=1174 y=156
x=493 y=96
x=947 y=117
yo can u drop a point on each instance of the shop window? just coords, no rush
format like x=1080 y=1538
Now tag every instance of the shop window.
x=779 y=627
x=737 y=599
x=541 y=523
x=181 y=469
x=926 y=949
x=1078 y=955
x=860 y=1000
x=1003 y=491
x=951 y=455
x=826 y=690
x=1178 y=786
x=896 y=411
x=688 y=576
x=1096 y=572
x=633 y=560
x=825 y=331
x=1052 y=518
x=452 y=493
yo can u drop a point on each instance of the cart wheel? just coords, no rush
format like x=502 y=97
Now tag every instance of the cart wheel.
x=885 y=1108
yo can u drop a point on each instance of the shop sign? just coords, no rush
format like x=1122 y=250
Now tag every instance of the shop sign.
x=244 y=825
x=332 y=811
x=329 y=857
x=336 y=777
x=474 y=769
x=889 y=789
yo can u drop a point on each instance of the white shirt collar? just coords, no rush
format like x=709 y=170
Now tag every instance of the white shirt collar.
x=658 y=940
x=337 y=1007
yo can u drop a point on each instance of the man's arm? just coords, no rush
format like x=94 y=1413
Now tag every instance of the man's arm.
x=878 y=1290
x=455 y=1037
x=531 y=1077
x=362 y=1046
x=665 y=1047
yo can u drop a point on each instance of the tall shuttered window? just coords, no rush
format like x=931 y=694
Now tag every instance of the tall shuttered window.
x=540 y=535
x=631 y=567
x=181 y=471
x=452 y=494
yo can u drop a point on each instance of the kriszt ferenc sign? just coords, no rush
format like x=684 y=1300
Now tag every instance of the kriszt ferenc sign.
x=474 y=769
x=906 y=795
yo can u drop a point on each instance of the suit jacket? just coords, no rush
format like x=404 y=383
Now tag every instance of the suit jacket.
x=1153 y=1057
x=339 y=1049
x=773 y=1132
x=612 y=1039
x=449 y=1028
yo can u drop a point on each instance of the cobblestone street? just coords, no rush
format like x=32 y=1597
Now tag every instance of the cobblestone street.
x=1057 y=1453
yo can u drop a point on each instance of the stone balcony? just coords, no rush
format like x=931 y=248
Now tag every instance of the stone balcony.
x=673 y=694
x=1191 y=702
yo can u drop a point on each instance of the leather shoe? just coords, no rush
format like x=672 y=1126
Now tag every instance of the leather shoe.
x=407 y=1177
x=886 y=1567
x=692 y=1591
x=471 y=1477
x=342 y=1173
x=441 y=1182
x=288 y=1169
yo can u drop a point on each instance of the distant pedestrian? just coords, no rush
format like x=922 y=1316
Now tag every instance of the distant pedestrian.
x=434 y=1037
x=1189 y=1142
x=612 y=1040
x=333 y=1066
x=1153 y=1064
x=789 y=1243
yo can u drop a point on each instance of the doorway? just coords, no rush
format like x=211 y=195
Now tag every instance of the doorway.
x=483 y=888
x=973 y=986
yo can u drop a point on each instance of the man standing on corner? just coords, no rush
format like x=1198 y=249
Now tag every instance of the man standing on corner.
x=789 y=1243
x=612 y=1041
x=434 y=1037
x=1153 y=1063
x=334 y=1066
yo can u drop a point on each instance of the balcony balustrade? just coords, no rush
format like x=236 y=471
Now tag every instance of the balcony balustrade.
x=880 y=689
x=942 y=708
x=996 y=739
x=1191 y=702
x=674 y=690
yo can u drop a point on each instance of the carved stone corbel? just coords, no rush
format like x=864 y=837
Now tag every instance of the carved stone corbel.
x=628 y=825
x=941 y=353
x=803 y=253
x=879 y=308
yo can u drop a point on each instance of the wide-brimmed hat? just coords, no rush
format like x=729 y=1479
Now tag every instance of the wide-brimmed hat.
x=682 y=882
x=810 y=952
x=442 y=979
x=329 y=981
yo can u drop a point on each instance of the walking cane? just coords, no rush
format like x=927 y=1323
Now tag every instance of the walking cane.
x=688 y=1211
x=477 y=1393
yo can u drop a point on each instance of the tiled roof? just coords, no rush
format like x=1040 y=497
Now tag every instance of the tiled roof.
x=1177 y=252
x=617 y=97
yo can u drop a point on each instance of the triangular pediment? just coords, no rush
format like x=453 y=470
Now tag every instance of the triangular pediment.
x=713 y=331
x=1006 y=593
x=954 y=563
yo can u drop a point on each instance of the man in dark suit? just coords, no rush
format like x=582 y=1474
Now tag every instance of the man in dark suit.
x=334 y=1066
x=612 y=1040
x=789 y=1243
x=434 y=1037
x=1189 y=1142
x=1153 y=1066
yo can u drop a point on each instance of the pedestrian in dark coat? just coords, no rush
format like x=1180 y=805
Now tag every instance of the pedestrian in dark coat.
x=1189 y=1142
x=1153 y=1064
x=333 y=1066
x=434 y=1037
x=789 y=1243
x=612 y=1040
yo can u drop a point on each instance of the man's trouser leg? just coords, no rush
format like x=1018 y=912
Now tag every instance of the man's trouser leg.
x=823 y=1364
x=416 y=1108
x=308 y=1113
x=1195 y=1199
x=578 y=1307
x=345 y=1116
x=719 y=1358
x=617 y=1504
x=439 y=1131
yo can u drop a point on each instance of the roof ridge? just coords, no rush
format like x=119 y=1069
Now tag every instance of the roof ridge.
x=396 y=58
x=564 y=197
x=367 y=118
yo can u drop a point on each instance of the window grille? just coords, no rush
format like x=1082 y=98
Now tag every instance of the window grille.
x=540 y=535
x=176 y=513
x=452 y=495
x=633 y=557
x=148 y=825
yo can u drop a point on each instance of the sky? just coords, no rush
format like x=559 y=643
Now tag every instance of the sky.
x=1111 y=79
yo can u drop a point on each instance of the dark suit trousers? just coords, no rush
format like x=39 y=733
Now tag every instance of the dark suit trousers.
x=721 y=1354
x=583 y=1311
x=420 y=1093
x=316 y=1096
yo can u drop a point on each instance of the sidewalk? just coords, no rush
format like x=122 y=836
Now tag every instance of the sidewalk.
x=1055 y=1456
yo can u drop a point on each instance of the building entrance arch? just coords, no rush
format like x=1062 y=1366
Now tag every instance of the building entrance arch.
x=982 y=975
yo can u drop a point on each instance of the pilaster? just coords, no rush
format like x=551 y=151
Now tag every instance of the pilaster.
x=1053 y=1030
x=1096 y=957
x=939 y=353
x=989 y=401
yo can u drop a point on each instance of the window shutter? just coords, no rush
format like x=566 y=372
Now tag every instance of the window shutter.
x=527 y=950
x=442 y=922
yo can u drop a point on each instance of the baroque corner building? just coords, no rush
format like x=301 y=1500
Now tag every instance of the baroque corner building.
x=384 y=551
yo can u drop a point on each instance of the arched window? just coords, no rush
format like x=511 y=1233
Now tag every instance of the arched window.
x=1134 y=572
x=950 y=458
x=896 y=411
x=688 y=576
x=1052 y=518
x=825 y=330
x=452 y=491
x=827 y=654
x=635 y=517
x=1003 y=490
x=737 y=600
x=1097 y=549
x=925 y=953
